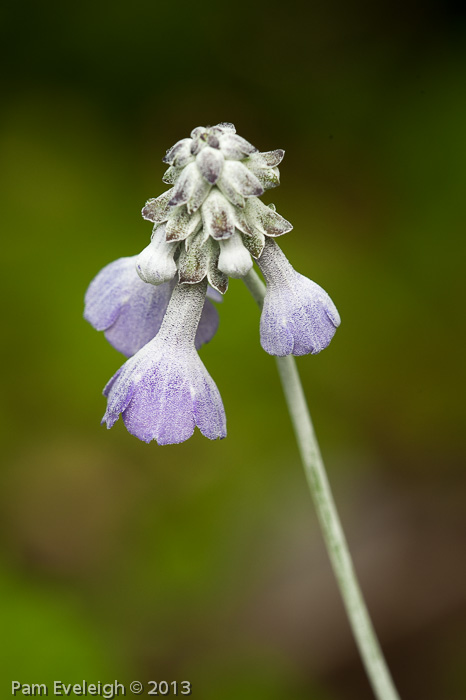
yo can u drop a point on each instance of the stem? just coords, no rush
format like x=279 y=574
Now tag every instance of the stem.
x=337 y=547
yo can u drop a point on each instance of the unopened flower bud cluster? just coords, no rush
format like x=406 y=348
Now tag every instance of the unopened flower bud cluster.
x=211 y=221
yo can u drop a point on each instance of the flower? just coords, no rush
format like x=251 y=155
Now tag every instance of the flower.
x=298 y=316
x=211 y=221
x=131 y=311
x=209 y=226
x=164 y=390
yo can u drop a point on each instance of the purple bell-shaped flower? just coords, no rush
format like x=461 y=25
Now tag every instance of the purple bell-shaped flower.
x=131 y=311
x=298 y=316
x=164 y=390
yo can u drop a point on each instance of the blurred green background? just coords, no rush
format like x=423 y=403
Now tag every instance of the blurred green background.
x=204 y=561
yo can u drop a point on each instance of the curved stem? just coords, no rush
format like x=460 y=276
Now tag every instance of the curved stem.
x=337 y=547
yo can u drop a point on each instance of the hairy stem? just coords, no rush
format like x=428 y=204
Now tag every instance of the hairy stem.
x=337 y=547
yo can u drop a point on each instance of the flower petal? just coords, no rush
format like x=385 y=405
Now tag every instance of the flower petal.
x=234 y=259
x=107 y=292
x=131 y=311
x=141 y=317
x=298 y=317
x=218 y=216
x=155 y=264
x=314 y=327
x=119 y=394
x=161 y=410
x=276 y=330
x=208 y=324
x=210 y=163
x=165 y=390
x=208 y=410
x=107 y=388
x=214 y=295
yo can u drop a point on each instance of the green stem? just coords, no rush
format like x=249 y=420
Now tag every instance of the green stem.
x=337 y=547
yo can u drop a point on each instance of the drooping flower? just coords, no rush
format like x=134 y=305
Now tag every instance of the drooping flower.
x=131 y=312
x=164 y=390
x=211 y=222
x=298 y=316
x=209 y=226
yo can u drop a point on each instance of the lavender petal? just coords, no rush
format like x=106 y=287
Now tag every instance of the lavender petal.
x=106 y=293
x=208 y=409
x=208 y=325
x=161 y=410
x=140 y=317
x=164 y=390
x=298 y=316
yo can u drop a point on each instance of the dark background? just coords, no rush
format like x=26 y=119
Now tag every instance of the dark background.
x=204 y=561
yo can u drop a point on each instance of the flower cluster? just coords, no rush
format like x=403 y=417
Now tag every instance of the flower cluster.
x=153 y=306
x=211 y=221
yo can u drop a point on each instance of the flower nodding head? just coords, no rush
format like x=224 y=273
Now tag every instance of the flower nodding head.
x=164 y=390
x=298 y=316
x=131 y=311
x=209 y=226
